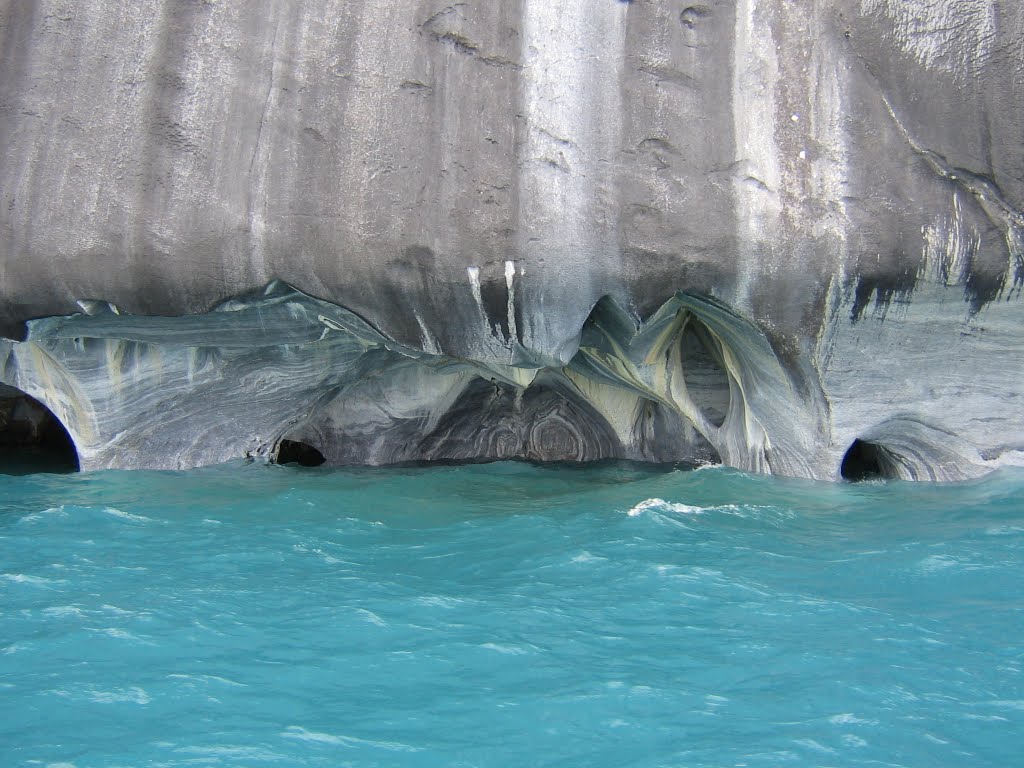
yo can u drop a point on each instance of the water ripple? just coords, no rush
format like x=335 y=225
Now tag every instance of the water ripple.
x=508 y=615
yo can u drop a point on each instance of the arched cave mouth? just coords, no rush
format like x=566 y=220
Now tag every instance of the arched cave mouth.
x=865 y=461
x=704 y=371
x=297 y=452
x=32 y=438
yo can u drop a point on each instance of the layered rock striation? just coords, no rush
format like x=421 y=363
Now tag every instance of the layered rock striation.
x=758 y=232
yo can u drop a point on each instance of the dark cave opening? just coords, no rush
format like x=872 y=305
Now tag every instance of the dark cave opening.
x=295 y=452
x=863 y=461
x=704 y=372
x=32 y=438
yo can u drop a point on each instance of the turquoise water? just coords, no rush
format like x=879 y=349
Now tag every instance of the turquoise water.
x=508 y=615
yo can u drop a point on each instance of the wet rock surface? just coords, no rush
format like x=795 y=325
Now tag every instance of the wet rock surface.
x=818 y=203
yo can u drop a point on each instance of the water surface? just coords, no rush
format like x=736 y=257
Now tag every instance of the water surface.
x=508 y=614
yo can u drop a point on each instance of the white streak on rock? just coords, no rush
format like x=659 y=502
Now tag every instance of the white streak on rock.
x=573 y=52
x=948 y=248
x=429 y=344
x=829 y=164
x=474 y=286
x=756 y=186
x=510 y=276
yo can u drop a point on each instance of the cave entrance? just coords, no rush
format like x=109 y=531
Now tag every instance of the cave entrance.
x=295 y=452
x=704 y=372
x=863 y=461
x=32 y=439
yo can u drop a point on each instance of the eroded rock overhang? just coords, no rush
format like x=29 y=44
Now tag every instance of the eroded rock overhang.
x=903 y=390
x=693 y=383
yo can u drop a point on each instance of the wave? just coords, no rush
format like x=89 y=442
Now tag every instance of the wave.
x=660 y=505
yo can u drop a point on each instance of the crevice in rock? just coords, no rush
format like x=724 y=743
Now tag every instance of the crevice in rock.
x=863 y=461
x=906 y=447
x=296 y=452
x=703 y=372
x=32 y=438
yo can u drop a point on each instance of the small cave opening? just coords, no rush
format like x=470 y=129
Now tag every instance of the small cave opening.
x=32 y=438
x=863 y=461
x=704 y=372
x=296 y=452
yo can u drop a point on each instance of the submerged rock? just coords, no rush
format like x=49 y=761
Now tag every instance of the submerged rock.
x=759 y=233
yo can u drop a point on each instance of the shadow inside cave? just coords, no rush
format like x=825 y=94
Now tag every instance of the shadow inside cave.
x=32 y=438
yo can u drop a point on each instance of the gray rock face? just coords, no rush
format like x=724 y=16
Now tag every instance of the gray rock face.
x=752 y=232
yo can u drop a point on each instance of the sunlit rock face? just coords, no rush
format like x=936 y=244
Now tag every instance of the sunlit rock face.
x=750 y=232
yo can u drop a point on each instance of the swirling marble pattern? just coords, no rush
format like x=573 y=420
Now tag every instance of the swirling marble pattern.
x=695 y=382
x=177 y=392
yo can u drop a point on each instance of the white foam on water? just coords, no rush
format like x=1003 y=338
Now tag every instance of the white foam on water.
x=132 y=695
x=817 y=746
x=24 y=578
x=1009 y=703
x=702 y=572
x=117 y=611
x=43 y=514
x=371 y=617
x=63 y=610
x=232 y=751
x=127 y=515
x=848 y=718
x=295 y=732
x=660 y=505
x=119 y=634
x=208 y=679
x=936 y=563
x=303 y=734
x=439 y=601
x=508 y=650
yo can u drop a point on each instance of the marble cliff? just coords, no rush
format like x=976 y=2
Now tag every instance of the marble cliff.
x=771 y=233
